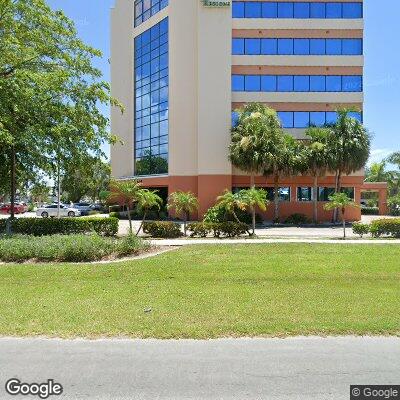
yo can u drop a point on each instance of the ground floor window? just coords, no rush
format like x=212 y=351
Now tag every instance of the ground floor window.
x=304 y=194
x=284 y=192
x=325 y=192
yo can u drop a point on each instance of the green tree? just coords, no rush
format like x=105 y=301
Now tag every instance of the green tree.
x=49 y=92
x=254 y=198
x=316 y=160
x=377 y=172
x=125 y=194
x=230 y=202
x=340 y=201
x=184 y=203
x=40 y=193
x=147 y=200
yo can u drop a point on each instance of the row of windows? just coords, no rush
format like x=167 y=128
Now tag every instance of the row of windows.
x=257 y=9
x=151 y=101
x=144 y=9
x=296 y=83
x=305 y=119
x=247 y=46
x=304 y=194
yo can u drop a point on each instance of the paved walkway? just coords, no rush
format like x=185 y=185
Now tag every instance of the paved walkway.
x=228 y=369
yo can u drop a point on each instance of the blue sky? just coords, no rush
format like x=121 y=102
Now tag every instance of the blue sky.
x=382 y=58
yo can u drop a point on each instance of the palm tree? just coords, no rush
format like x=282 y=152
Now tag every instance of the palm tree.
x=340 y=201
x=317 y=160
x=125 y=194
x=230 y=202
x=253 y=198
x=377 y=172
x=184 y=203
x=147 y=200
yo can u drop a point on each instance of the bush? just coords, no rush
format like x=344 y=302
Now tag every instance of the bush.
x=218 y=229
x=369 y=211
x=361 y=229
x=135 y=215
x=72 y=248
x=64 y=226
x=298 y=219
x=162 y=229
x=218 y=214
x=386 y=227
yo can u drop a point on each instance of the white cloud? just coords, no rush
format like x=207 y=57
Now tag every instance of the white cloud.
x=377 y=155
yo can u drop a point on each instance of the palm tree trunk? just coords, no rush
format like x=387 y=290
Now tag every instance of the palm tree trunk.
x=142 y=223
x=235 y=216
x=13 y=181
x=253 y=209
x=315 y=199
x=344 y=222
x=276 y=197
x=185 y=223
x=130 y=220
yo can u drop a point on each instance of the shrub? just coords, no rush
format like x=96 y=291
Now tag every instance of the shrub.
x=231 y=229
x=200 y=229
x=218 y=214
x=386 y=227
x=72 y=248
x=369 y=211
x=162 y=229
x=298 y=219
x=361 y=229
x=64 y=226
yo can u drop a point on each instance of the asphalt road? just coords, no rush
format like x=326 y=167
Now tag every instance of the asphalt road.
x=298 y=368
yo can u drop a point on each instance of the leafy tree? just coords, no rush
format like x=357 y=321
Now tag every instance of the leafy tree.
x=147 y=200
x=316 y=160
x=377 y=173
x=254 y=198
x=49 y=92
x=230 y=202
x=40 y=192
x=340 y=201
x=184 y=203
x=125 y=194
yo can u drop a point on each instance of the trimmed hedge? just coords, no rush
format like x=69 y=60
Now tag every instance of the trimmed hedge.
x=386 y=227
x=162 y=229
x=218 y=229
x=62 y=226
x=369 y=211
x=361 y=229
x=298 y=219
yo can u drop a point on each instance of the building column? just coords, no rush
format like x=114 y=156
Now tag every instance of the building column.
x=383 y=207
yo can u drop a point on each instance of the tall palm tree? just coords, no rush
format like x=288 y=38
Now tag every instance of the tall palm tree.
x=317 y=160
x=253 y=198
x=125 y=194
x=340 y=201
x=230 y=202
x=377 y=172
x=184 y=203
x=147 y=200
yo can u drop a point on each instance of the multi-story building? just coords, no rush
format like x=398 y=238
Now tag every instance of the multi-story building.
x=181 y=67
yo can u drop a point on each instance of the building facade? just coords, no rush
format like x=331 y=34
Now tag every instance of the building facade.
x=181 y=67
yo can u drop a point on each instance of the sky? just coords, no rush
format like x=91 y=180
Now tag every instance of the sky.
x=382 y=60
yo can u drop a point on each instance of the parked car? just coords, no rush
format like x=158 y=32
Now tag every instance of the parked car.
x=84 y=208
x=51 y=211
x=18 y=208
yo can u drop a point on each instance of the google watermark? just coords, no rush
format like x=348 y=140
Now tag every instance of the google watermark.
x=374 y=392
x=43 y=390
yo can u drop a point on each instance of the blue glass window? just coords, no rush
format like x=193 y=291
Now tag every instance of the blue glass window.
x=235 y=118
x=237 y=46
x=285 y=10
x=317 y=47
x=356 y=115
x=269 y=10
x=333 y=83
x=317 y=118
x=301 y=119
x=317 y=83
x=301 y=46
x=285 y=83
x=151 y=101
x=286 y=118
x=352 y=84
x=285 y=46
x=252 y=83
x=301 y=83
x=238 y=10
x=252 y=46
x=333 y=46
x=352 y=46
x=238 y=83
x=269 y=46
x=333 y=10
x=352 y=10
x=317 y=10
x=301 y=10
x=144 y=9
x=269 y=83
x=252 y=9
x=331 y=117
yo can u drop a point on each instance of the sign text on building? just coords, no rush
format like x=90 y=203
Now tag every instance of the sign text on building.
x=215 y=3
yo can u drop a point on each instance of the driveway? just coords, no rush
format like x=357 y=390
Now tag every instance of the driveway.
x=276 y=369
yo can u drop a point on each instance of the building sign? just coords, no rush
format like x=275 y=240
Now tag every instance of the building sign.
x=215 y=3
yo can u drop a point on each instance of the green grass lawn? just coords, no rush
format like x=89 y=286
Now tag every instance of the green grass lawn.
x=210 y=291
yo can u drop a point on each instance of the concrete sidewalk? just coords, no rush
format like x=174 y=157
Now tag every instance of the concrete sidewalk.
x=310 y=368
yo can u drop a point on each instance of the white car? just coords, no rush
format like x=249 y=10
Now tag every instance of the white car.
x=51 y=211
